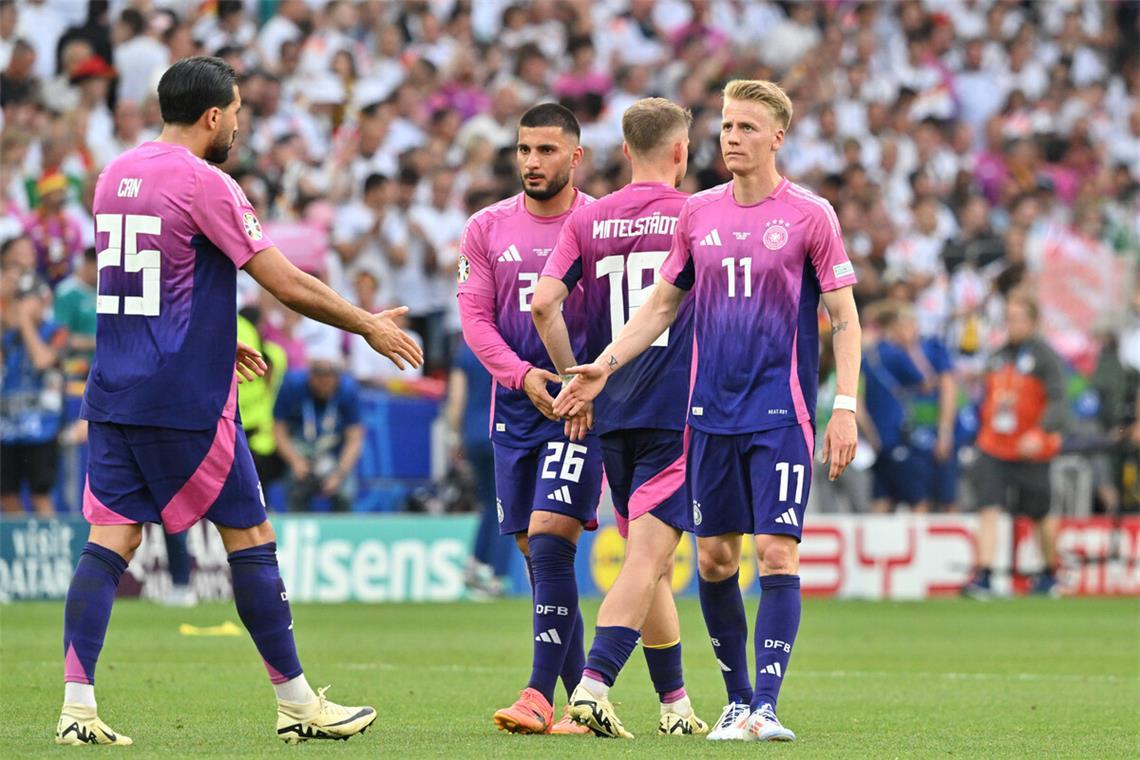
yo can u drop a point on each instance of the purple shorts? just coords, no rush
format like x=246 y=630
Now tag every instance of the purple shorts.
x=753 y=483
x=138 y=474
x=646 y=472
x=557 y=476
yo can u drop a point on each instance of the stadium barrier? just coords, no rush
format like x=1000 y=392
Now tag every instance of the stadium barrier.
x=906 y=557
x=382 y=558
x=324 y=558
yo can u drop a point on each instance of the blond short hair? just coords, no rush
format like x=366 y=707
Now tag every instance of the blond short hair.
x=646 y=124
x=764 y=92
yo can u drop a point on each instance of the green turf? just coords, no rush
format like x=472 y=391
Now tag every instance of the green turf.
x=1026 y=679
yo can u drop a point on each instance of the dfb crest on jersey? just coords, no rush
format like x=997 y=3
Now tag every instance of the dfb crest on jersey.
x=252 y=226
x=775 y=235
x=464 y=269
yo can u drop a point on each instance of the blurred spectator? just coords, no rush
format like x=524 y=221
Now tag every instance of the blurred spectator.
x=75 y=303
x=54 y=230
x=7 y=32
x=357 y=242
x=18 y=81
x=369 y=368
x=138 y=56
x=31 y=391
x=1022 y=413
x=129 y=131
x=41 y=24
x=466 y=413
x=93 y=77
x=318 y=433
x=911 y=398
x=95 y=31
x=415 y=260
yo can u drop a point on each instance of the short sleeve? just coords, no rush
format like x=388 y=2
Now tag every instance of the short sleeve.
x=565 y=262
x=226 y=217
x=65 y=309
x=825 y=247
x=348 y=224
x=350 y=402
x=900 y=365
x=938 y=355
x=677 y=268
x=284 y=407
x=475 y=275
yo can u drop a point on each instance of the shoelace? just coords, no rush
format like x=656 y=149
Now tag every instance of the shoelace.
x=732 y=713
x=326 y=704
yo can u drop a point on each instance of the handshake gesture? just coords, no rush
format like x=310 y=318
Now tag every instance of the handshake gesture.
x=581 y=419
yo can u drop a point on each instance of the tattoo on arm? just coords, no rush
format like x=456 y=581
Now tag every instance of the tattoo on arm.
x=613 y=362
x=839 y=327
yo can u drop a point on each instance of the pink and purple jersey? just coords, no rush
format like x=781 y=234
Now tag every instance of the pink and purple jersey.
x=757 y=273
x=171 y=231
x=615 y=248
x=502 y=253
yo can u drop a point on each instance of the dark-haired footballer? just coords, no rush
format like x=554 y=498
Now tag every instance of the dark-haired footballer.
x=548 y=486
x=166 y=443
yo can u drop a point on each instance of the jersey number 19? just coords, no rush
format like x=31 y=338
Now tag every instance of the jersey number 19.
x=633 y=269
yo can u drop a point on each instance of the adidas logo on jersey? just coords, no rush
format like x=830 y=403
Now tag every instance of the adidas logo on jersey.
x=789 y=518
x=550 y=636
x=713 y=238
x=773 y=670
x=561 y=495
x=511 y=254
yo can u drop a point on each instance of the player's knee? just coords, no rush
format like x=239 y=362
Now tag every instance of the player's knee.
x=718 y=563
x=523 y=543
x=130 y=544
x=778 y=556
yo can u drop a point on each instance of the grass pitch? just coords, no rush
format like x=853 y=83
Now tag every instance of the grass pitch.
x=1022 y=678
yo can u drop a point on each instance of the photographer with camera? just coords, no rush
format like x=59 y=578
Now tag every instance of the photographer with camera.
x=318 y=432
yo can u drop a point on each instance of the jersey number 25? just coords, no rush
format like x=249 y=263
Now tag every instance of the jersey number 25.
x=123 y=251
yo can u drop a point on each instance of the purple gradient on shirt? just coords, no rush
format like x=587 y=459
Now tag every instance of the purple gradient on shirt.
x=505 y=247
x=759 y=337
x=624 y=237
x=172 y=368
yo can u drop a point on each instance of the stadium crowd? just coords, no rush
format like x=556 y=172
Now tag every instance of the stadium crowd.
x=971 y=149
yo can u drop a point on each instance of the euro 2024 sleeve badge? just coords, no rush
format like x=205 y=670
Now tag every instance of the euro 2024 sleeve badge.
x=252 y=226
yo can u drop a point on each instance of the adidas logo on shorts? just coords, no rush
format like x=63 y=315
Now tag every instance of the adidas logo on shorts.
x=789 y=518
x=561 y=495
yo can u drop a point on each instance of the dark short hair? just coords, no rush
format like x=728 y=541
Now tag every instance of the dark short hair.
x=374 y=181
x=408 y=176
x=192 y=86
x=134 y=20
x=552 y=115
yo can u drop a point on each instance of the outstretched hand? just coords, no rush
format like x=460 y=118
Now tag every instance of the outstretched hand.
x=249 y=364
x=386 y=338
x=584 y=388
